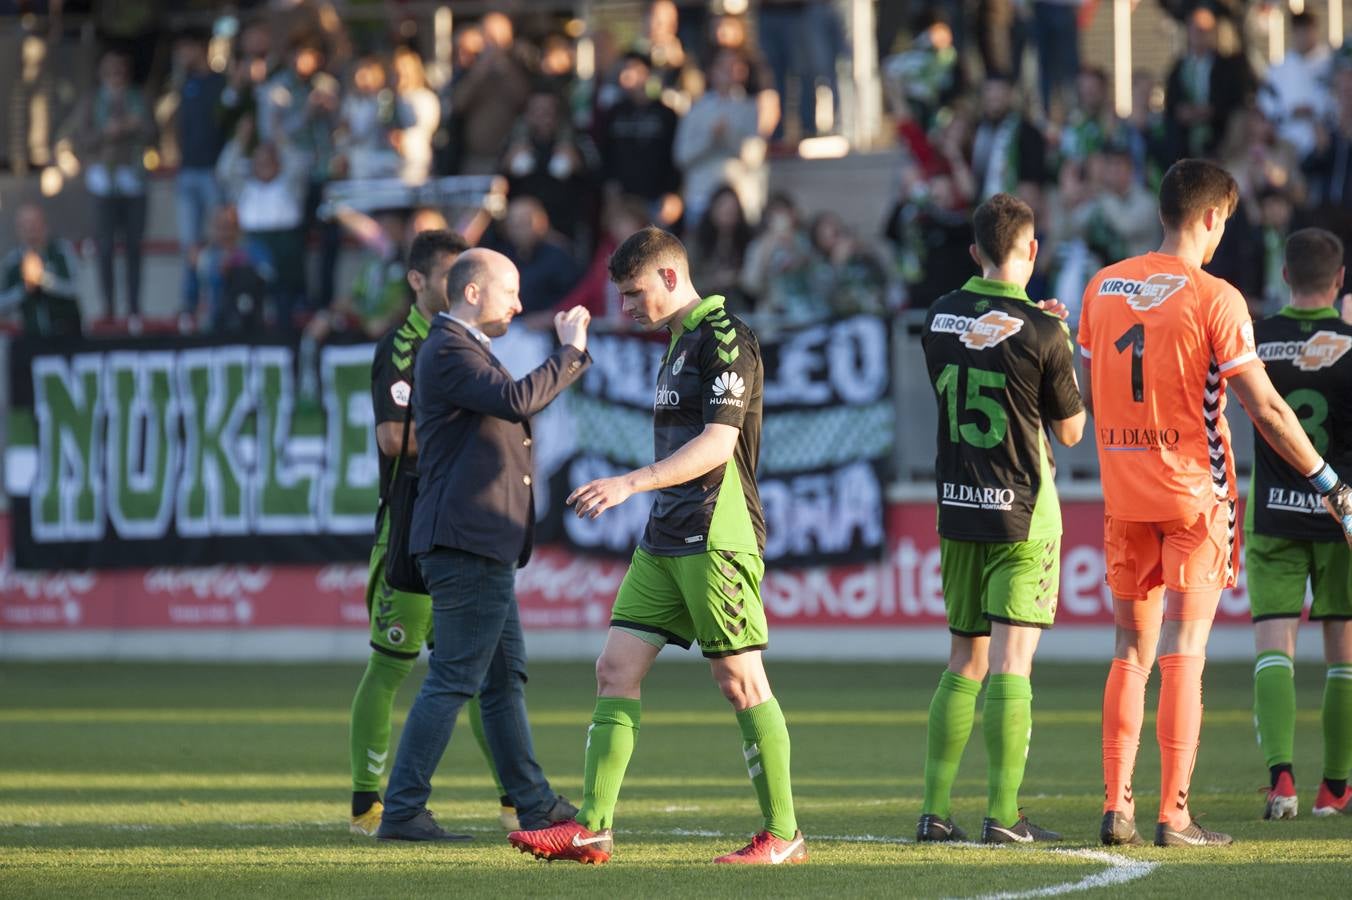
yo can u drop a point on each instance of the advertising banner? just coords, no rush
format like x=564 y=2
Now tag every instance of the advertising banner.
x=559 y=590
x=192 y=452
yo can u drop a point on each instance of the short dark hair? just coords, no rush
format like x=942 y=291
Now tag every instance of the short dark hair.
x=1191 y=187
x=1313 y=258
x=646 y=248
x=429 y=245
x=996 y=225
x=1304 y=19
x=469 y=268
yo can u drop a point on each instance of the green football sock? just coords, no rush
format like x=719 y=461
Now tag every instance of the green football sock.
x=1007 y=721
x=1274 y=706
x=476 y=725
x=369 y=733
x=1338 y=722
x=950 y=725
x=610 y=743
x=766 y=749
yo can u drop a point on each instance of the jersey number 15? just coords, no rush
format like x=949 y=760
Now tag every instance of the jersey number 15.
x=974 y=381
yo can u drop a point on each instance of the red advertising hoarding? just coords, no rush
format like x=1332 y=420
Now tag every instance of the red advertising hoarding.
x=558 y=590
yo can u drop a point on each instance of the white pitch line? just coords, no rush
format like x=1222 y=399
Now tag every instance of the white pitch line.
x=1120 y=870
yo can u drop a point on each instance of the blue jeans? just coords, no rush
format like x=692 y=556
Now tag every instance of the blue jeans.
x=196 y=196
x=807 y=41
x=1058 y=50
x=480 y=650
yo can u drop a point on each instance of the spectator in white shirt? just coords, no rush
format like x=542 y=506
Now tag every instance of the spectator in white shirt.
x=419 y=114
x=268 y=189
x=718 y=142
x=1296 y=94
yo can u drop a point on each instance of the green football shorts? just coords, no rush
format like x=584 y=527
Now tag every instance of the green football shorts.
x=712 y=597
x=1278 y=569
x=400 y=622
x=1015 y=583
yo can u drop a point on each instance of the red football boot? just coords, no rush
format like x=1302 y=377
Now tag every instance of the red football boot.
x=1281 y=799
x=1325 y=804
x=767 y=850
x=566 y=840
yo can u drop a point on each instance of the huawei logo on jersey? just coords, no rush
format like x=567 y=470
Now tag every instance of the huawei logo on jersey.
x=729 y=383
x=979 y=334
x=1144 y=295
x=1323 y=349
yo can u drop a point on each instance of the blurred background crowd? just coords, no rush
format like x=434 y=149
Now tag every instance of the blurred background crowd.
x=551 y=130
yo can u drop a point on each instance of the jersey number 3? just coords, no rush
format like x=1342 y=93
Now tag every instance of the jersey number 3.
x=1316 y=410
x=973 y=401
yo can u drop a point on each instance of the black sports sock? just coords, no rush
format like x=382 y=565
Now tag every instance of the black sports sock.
x=363 y=800
x=1336 y=785
x=1275 y=771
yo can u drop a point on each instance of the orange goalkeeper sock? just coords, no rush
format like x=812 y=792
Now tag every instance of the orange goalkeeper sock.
x=1123 y=713
x=1178 y=727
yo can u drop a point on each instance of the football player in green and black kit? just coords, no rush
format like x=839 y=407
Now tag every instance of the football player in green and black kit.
x=696 y=574
x=1288 y=538
x=401 y=622
x=1003 y=372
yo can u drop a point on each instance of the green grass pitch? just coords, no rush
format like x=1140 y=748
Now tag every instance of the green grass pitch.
x=223 y=781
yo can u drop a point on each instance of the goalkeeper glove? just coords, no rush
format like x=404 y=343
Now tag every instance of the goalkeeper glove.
x=1337 y=497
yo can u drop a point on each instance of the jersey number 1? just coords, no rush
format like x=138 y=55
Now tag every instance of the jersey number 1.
x=974 y=401
x=1134 y=337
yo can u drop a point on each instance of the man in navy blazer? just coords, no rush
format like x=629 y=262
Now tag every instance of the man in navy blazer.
x=472 y=527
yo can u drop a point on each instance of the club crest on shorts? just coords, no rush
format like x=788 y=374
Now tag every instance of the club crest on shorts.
x=400 y=392
x=678 y=365
x=395 y=635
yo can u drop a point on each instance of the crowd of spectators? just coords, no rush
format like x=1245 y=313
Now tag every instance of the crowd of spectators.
x=675 y=128
x=260 y=119
x=1091 y=176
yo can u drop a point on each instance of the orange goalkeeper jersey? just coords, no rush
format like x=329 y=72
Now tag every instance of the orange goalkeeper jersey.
x=1160 y=337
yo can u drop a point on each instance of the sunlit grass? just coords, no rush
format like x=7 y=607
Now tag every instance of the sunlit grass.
x=159 y=780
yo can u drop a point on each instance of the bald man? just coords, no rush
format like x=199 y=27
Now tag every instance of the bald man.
x=471 y=529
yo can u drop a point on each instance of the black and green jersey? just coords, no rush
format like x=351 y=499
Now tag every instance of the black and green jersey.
x=1307 y=358
x=711 y=373
x=1001 y=368
x=392 y=377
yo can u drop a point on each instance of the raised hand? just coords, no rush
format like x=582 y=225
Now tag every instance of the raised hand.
x=571 y=327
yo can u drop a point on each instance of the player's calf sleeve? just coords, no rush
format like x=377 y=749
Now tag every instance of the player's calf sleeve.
x=765 y=746
x=369 y=733
x=1274 y=706
x=1123 y=714
x=476 y=725
x=1178 y=727
x=1337 y=719
x=950 y=725
x=1007 y=722
x=610 y=743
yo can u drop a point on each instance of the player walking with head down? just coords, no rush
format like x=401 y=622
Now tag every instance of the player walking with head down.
x=1288 y=539
x=1003 y=369
x=1162 y=338
x=696 y=574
